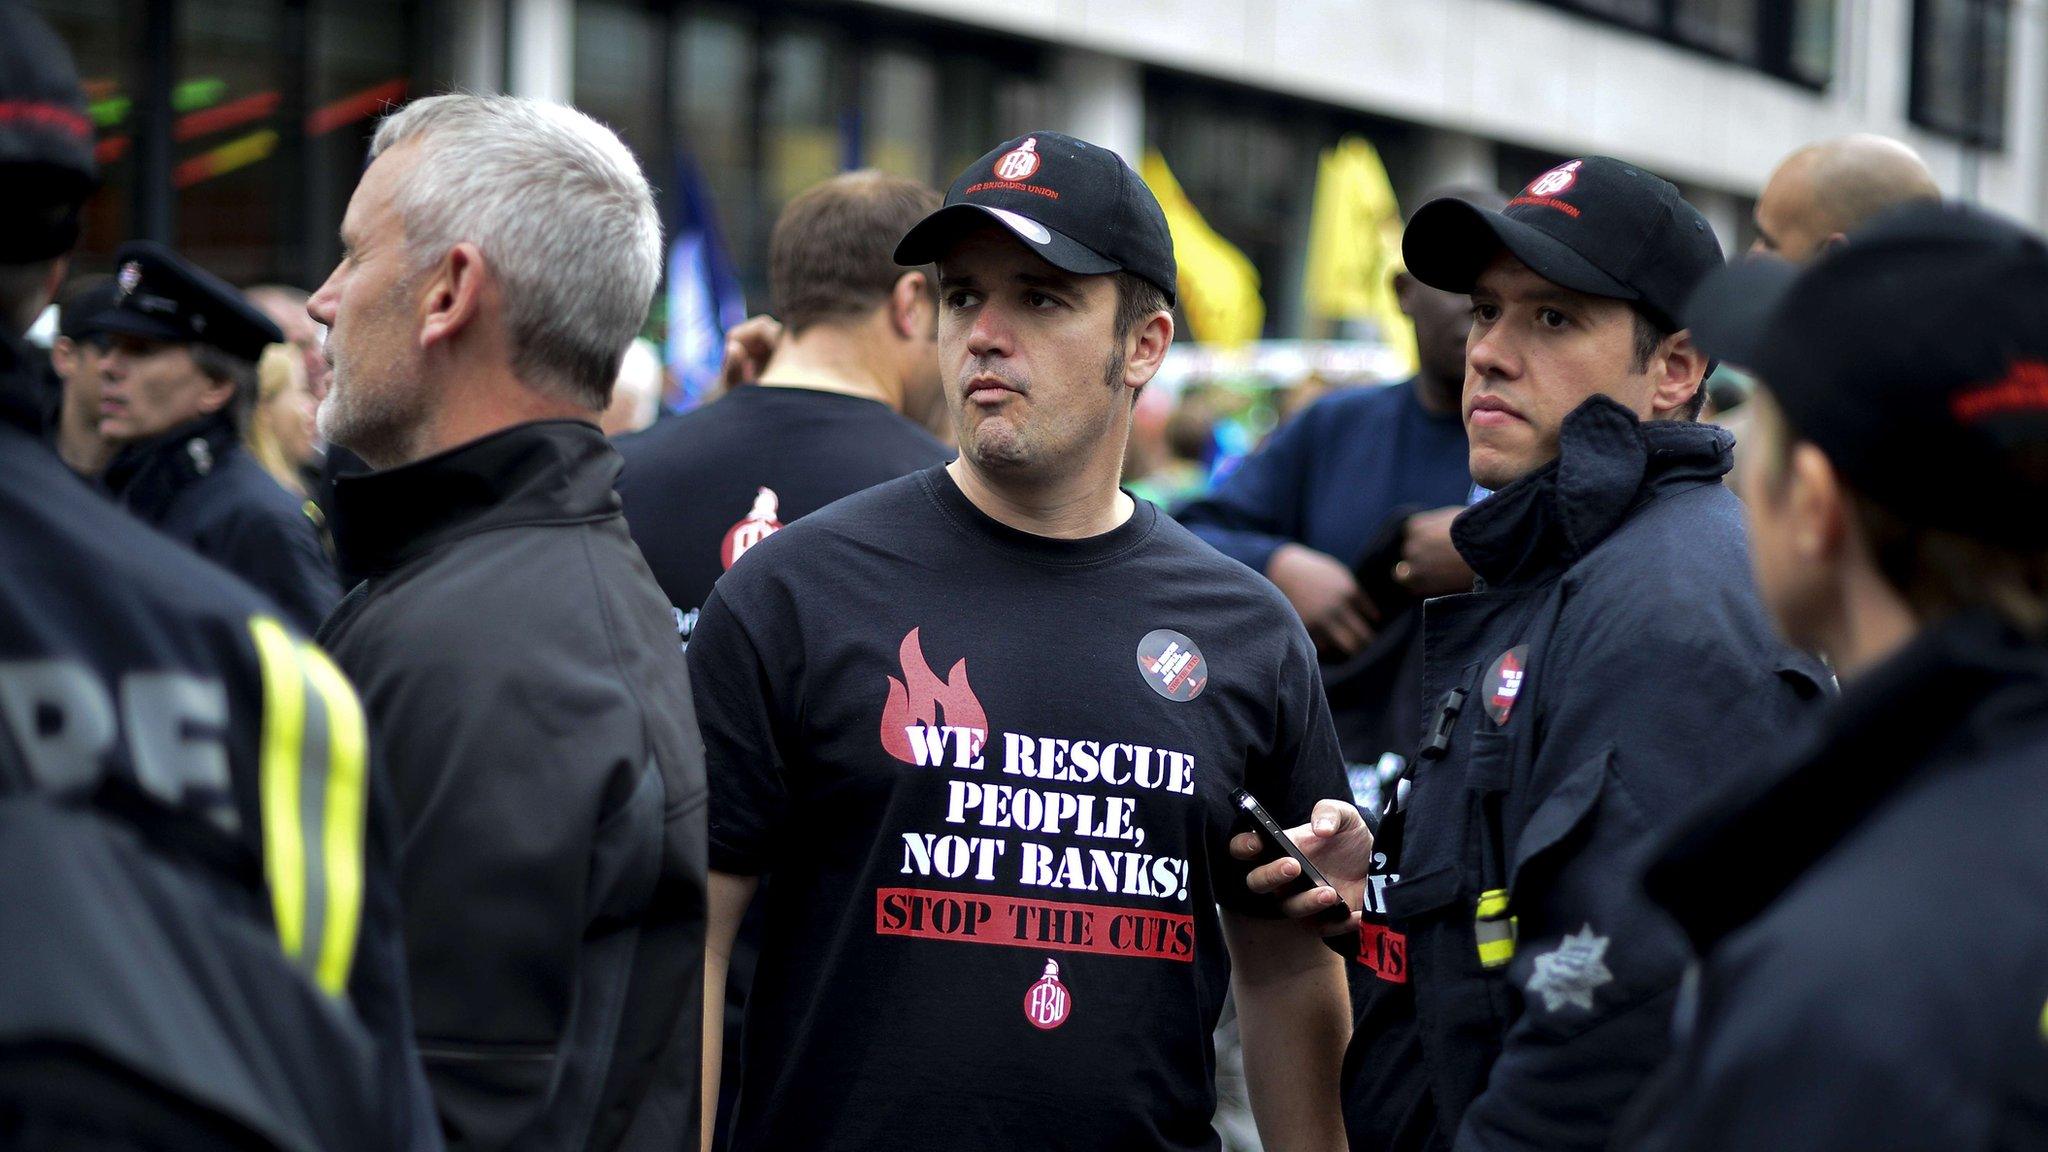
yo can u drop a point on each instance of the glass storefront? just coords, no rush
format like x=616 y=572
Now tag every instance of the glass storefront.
x=234 y=129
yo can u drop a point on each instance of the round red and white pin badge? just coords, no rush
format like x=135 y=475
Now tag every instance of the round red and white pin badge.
x=1504 y=683
x=1171 y=664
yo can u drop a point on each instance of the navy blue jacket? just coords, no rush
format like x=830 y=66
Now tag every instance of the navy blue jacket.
x=1875 y=958
x=1613 y=665
x=196 y=485
x=198 y=873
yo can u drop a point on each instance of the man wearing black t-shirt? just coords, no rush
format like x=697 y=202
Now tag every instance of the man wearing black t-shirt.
x=981 y=726
x=826 y=419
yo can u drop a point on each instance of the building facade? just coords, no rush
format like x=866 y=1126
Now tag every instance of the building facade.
x=236 y=128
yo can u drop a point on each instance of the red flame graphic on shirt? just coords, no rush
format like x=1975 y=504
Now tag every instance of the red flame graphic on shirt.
x=921 y=697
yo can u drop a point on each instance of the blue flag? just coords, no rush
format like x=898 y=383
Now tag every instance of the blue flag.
x=704 y=295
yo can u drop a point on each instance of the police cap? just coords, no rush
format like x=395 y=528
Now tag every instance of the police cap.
x=160 y=295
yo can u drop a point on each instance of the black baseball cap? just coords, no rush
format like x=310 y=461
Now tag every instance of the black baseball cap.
x=1079 y=207
x=46 y=140
x=1595 y=225
x=160 y=295
x=1915 y=356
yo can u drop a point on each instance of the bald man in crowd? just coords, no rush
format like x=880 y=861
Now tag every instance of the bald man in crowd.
x=1816 y=197
x=1822 y=191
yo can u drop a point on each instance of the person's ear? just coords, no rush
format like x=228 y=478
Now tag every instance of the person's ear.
x=910 y=307
x=215 y=394
x=453 y=295
x=1145 y=349
x=1679 y=370
x=1404 y=292
x=1834 y=240
x=1817 y=506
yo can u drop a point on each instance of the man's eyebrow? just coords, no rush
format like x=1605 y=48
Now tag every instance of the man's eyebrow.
x=1057 y=281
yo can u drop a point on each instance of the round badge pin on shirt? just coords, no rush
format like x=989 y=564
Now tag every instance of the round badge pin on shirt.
x=1504 y=682
x=1171 y=664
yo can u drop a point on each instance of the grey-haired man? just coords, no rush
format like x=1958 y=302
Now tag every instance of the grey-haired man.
x=517 y=660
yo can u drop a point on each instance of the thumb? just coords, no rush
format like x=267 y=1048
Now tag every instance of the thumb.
x=1334 y=818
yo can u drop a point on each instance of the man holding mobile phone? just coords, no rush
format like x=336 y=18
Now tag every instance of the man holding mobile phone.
x=981 y=726
x=1613 y=665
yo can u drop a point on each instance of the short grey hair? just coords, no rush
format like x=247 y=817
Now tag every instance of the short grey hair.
x=563 y=216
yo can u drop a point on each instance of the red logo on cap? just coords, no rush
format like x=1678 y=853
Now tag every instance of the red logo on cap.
x=2023 y=388
x=1557 y=180
x=1020 y=162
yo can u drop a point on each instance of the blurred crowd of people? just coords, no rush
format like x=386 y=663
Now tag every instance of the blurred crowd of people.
x=1623 y=733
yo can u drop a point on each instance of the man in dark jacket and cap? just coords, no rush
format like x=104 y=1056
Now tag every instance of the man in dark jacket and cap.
x=178 y=377
x=1874 y=962
x=198 y=924
x=1611 y=666
x=520 y=665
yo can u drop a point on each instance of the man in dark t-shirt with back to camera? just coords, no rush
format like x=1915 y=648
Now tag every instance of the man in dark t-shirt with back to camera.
x=827 y=417
x=981 y=726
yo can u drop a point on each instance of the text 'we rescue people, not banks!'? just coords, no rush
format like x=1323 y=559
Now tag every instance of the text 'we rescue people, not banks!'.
x=1080 y=842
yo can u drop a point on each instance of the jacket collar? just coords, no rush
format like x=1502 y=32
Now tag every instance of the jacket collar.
x=1949 y=692
x=546 y=472
x=148 y=474
x=1608 y=464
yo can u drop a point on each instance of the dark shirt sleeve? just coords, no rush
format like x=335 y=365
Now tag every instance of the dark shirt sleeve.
x=1303 y=766
x=1258 y=507
x=1642 y=711
x=280 y=554
x=735 y=696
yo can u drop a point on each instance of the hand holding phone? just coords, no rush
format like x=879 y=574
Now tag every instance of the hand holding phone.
x=1278 y=843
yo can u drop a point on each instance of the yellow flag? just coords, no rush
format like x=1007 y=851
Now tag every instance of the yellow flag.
x=1218 y=287
x=1354 y=245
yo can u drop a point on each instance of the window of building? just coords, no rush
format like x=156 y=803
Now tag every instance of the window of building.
x=234 y=130
x=1791 y=39
x=97 y=35
x=617 y=75
x=1961 y=57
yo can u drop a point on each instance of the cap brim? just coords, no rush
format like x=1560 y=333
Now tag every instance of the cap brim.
x=120 y=321
x=931 y=238
x=1730 y=313
x=1449 y=242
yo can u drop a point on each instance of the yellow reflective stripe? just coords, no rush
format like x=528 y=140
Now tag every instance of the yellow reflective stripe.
x=1497 y=941
x=2044 y=1021
x=1492 y=903
x=345 y=812
x=284 y=722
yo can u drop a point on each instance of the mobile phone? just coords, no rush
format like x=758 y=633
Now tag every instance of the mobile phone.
x=1277 y=842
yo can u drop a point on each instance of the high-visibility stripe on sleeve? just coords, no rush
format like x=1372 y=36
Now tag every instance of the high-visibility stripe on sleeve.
x=284 y=721
x=346 y=810
x=314 y=782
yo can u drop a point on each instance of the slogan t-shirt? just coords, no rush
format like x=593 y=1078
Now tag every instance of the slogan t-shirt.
x=989 y=775
x=703 y=487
